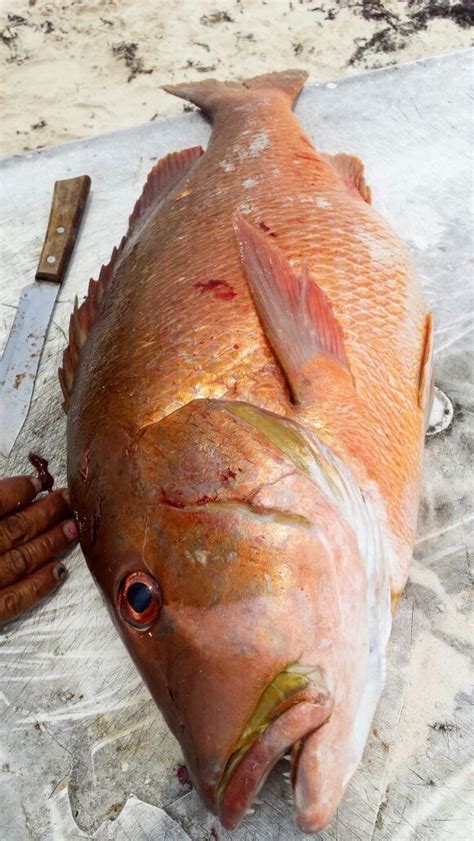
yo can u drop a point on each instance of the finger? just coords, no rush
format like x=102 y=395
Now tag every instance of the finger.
x=26 y=524
x=17 y=491
x=25 y=559
x=17 y=599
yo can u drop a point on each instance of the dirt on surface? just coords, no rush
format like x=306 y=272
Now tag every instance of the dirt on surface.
x=75 y=68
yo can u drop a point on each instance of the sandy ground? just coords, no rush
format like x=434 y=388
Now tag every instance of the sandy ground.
x=81 y=67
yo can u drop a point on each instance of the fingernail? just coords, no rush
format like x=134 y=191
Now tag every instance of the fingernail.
x=60 y=572
x=36 y=483
x=65 y=494
x=70 y=530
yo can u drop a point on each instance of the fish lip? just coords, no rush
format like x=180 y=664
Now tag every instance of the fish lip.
x=309 y=711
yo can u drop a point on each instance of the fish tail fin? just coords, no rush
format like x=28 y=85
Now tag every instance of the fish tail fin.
x=210 y=94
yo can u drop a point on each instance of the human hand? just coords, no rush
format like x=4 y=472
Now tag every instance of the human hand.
x=32 y=534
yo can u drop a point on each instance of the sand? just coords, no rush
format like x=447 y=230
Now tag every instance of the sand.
x=76 y=68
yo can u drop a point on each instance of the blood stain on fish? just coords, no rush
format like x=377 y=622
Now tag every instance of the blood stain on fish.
x=264 y=227
x=221 y=290
x=205 y=500
x=174 y=503
x=229 y=474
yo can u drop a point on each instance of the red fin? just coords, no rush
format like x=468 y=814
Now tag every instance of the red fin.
x=426 y=380
x=163 y=178
x=351 y=169
x=296 y=315
x=210 y=94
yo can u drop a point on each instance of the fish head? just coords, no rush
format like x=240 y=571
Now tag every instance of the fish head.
x=237 y=587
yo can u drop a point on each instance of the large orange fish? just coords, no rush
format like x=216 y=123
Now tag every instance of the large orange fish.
x=247 y=386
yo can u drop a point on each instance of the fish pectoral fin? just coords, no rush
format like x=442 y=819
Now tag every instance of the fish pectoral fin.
x=351 y=170
x=296 y=315
x=162 y=179
x=426 y=378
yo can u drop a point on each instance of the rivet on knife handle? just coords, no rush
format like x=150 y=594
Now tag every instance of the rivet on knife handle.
x=69 y=200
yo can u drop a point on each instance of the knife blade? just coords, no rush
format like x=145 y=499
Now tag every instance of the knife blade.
x=22 y=353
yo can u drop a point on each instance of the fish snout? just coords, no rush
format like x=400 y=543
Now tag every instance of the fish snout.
x=293 y=706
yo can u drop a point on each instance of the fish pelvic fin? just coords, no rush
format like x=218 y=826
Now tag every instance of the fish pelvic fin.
x=162 y=179
x=211 y=95
x=296 y=315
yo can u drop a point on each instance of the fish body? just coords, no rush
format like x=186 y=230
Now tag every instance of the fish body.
x=247 y=387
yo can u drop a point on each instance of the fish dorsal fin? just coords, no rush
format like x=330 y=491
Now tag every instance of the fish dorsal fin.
x=164 y=176
x=426 y=380
x=162 y=179
x=82 y=321
x=296 y=315
x=351 y=170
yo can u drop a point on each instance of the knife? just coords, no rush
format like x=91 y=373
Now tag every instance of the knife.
x=22 y=353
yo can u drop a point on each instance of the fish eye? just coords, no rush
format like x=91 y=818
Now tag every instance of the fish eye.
x=139 y=600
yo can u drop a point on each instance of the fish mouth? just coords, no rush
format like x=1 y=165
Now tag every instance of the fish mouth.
x=292 y=707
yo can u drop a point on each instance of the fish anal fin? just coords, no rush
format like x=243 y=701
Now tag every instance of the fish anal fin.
x=296 y=315
x=426 y=378
x=351 y=170
x=161 y=181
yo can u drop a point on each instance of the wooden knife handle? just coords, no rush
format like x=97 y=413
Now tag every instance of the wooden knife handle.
x=67 y=209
